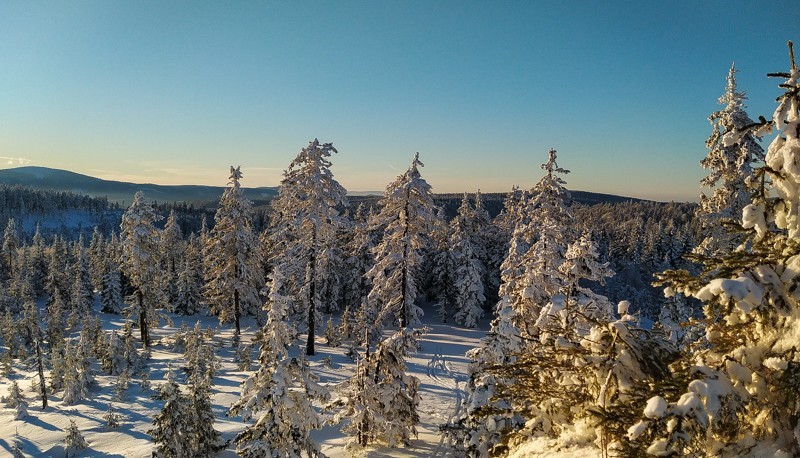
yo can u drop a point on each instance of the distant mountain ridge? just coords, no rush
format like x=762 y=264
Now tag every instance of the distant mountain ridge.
x=120 y=191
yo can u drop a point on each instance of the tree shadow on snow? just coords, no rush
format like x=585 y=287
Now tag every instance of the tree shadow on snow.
x=40 y=423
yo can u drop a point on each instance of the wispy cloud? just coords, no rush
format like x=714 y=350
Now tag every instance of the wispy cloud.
x=15 y=160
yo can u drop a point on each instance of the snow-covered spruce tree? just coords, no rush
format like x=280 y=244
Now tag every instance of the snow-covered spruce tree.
x=491 y=248
x=37 y=264
x=171 y=249
x=74 y=441
x=529 y=277
x=731 y=171
x=358 y=405
x=442 y=282
x=677 y=321
x=741 y=390
x=122 y=384
x=279 y=393
x=111 y=292
x=140 y=262
x=549 y=232
x=9 y=248
x=201 y=362
x=379 y=403
x=205 y=441
x=16 y=400
x=469 y=270
x=78 y=378
x=579 y=386
x=232 y=257
x=190 y=288
x=112 y=419
x=358 y=260
x=31 y=327
x=306 y=222
x=133 y=360
x=172 y=428
x=81 y=292
x=112 y=361
x=580 y=266
x=407 y=216
x=96 y=256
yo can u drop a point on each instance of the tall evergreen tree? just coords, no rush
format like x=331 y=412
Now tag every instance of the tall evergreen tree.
x=306 y=223
x=469 y=270
x=140 y=262
x=232 y=257
x=279 y=392
x=82 y=287
x=97 y=260
x=37 y=264
x=111 y=292
x=741 y=387
x=731 y=169
x=9 y=248
x=172 y=246
x=548 y=233
x=406 y=218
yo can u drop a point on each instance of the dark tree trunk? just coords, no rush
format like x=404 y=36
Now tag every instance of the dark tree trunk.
x=40 y=367
x=404 y=281
x=312 y=306
x=237 y=313
x=143 y=331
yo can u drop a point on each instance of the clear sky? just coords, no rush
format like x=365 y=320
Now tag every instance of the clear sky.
x=174 y=92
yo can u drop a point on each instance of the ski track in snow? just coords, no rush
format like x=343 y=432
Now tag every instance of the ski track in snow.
x=440 y=364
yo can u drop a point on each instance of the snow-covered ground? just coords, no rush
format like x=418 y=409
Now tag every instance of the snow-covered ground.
x=440 y=364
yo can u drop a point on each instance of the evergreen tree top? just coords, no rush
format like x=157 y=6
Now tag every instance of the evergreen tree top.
x=236 y=175
x=732 y=98
x=552 y=166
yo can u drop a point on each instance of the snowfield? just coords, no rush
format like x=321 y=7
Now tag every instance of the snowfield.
x=440 y=364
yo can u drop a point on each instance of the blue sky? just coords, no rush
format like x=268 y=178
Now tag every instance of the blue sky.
x=175 y=92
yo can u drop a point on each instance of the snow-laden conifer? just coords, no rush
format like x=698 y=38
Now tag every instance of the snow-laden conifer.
x=112 y=419
x=82 y=287
x=140 y=254
x=406 y=218
x=9 y=248
x=469 y=270
x=171 y=250
x=306 y=222
x=96 y=257
x=189 y=288
x=379 y=403
x=731 y=170
x=739 y=390
x=441 y=285
x=546 y=228
x=78 y=377
x=279 y=393
x=111 y=292
x=171 y=426
x=232 y=257
x=16 y=400
x=74 y=442
x=37 y=264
